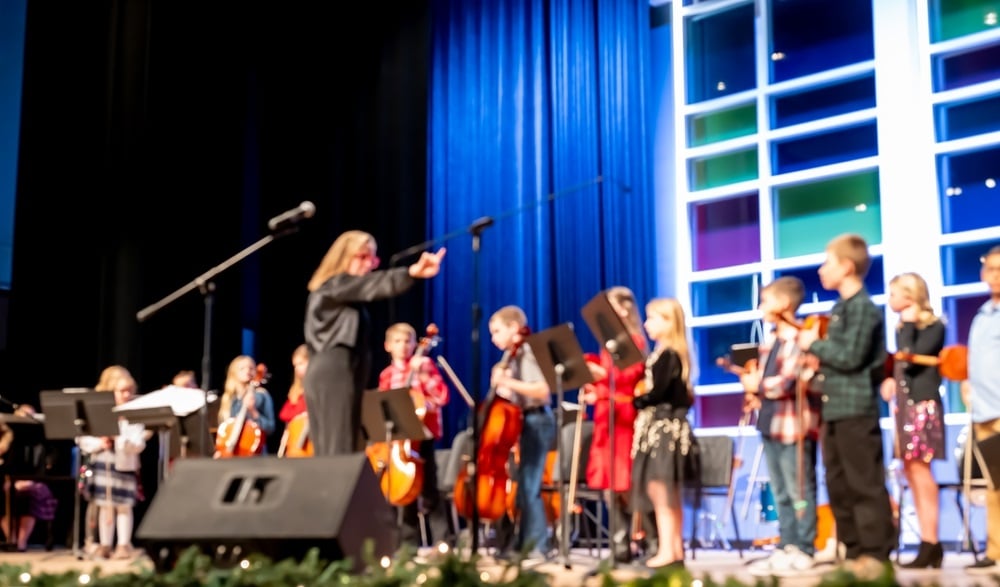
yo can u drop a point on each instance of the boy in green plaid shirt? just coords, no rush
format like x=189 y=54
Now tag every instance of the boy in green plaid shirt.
x=851 y=362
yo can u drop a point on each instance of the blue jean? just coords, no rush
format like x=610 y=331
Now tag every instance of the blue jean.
x=537 y=436
x=793 y=529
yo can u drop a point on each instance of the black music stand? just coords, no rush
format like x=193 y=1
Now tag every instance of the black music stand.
x=561 y=360
x=614 y=336
x=72 y=414
x=162 y=420
x=389 y=415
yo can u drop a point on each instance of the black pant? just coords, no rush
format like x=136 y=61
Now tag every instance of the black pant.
x=429 y=502
x=855 y=480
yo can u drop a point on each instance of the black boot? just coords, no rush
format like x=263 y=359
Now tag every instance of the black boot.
x=929 y=556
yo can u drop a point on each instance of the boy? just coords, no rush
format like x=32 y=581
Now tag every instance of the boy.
x=523 y=383
x=773 y=386
x=423 y=378
x=851 y=362
x=982 y=390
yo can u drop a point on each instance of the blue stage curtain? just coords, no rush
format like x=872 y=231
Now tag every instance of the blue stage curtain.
x=538 y=120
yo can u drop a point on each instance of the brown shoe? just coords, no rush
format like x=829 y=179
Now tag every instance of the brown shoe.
x=123 y=552
x=103 y=552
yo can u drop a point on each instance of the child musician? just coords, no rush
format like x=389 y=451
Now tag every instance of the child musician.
x=772 y=387
x=523 y=383
x=295 y=403
x=664 y=449
x=851 y=362
x=114 y=485
x=420 y=375
x=242 y=385
x=598 y=472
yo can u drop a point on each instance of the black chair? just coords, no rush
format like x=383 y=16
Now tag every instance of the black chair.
x=591 y=511
x=716 y=454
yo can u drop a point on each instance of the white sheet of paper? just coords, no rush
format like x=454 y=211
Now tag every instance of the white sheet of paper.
x=182 y=400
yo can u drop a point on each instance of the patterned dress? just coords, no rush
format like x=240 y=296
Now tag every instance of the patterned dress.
x=664 y=447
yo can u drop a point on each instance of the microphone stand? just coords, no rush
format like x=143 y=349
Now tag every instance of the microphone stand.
x=476 y=229
x=206 y=286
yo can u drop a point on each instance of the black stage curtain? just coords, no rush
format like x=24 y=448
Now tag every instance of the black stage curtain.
x=157 y=138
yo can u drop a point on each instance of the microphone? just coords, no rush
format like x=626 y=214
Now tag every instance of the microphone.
x=292 y=217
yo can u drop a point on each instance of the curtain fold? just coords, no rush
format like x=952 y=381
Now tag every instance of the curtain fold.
x=538 y=120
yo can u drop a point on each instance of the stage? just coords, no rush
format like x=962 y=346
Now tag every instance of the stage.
x=715 y=564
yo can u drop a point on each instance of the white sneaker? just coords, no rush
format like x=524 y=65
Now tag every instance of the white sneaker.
x=798 y=561
x=777 y=562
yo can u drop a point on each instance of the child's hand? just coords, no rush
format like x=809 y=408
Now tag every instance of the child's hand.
x=750 y=379
x=888 y=389
x=807 y=337
x=596 y=371
x=751 y=402
x=588 y=394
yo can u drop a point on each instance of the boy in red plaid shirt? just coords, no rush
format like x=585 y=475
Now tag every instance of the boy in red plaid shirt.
x=430 y=395
x=771 y=388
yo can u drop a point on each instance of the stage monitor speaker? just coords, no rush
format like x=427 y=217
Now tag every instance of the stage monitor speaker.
x=280 y=508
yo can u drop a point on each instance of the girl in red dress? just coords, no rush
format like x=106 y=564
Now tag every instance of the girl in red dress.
x=599 y=463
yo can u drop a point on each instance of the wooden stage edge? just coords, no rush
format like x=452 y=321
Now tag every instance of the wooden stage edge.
x=718 y=564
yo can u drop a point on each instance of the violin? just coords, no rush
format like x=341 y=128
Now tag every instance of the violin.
x=238 y=436
x=952 y=362
x=501 y=423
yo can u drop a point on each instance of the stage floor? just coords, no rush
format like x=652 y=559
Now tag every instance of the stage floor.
x=717 y=564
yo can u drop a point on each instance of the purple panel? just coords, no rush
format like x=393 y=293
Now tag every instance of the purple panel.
x=726 y=233
x=719 y=410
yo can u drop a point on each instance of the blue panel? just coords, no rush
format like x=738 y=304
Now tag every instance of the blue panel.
x=845 y=144
x=712 y=342
x=720 y=54
x=823 y=102
x=721 y=296
x=969 y=188
x=12 y=19
x=965 y=119
x=960 y=264
x=818 y=35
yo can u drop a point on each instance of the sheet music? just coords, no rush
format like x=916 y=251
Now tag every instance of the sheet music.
x=182 y=400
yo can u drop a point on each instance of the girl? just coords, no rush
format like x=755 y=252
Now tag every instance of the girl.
x=295 y=403
x=919 y=413
x=241 y=385
x=664 y=450
x=115 y=464
x=598 y=472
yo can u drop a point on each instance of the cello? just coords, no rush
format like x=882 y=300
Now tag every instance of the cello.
x=501 y=422
x=238 y=436
x=296 y=442
x=401 y=467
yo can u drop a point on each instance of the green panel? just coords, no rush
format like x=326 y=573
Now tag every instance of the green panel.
x=725 y=169
x=722 y=125
x=951 y=19
x=810 y=215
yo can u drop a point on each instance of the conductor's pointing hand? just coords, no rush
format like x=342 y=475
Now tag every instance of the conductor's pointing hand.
x=427 y=265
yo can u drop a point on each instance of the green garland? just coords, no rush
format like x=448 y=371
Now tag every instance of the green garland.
x=194 y=568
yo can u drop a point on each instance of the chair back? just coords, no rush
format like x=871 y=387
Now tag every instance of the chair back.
x=716 y=461
x=566 y=446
